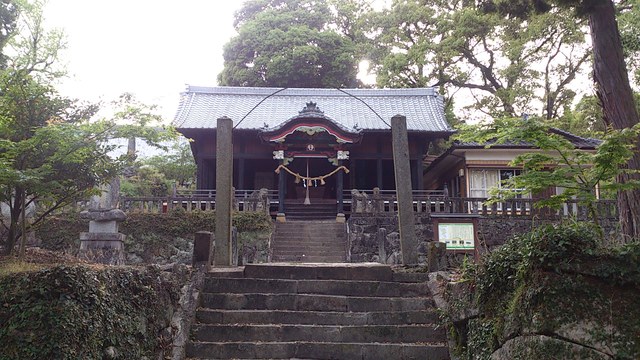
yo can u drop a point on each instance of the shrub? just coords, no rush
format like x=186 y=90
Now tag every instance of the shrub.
x=76 y=312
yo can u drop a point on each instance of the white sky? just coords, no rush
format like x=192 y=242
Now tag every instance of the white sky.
x=151 y=48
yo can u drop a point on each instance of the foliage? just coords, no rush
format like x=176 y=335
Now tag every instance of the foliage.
x=547 y=247
x=291 y=43
x=629 y=25
x=61 y=232
x=585 y=119
x=34 y=48
x=12 y=266
x=72 y=312
x=51 y=153
x=610 y=75
x=559 y=163
x=178 y=166
x=8 y=15
x=553 y=279
x=510 y=66
x=147 y=181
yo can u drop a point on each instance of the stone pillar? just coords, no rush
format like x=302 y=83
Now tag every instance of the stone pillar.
x=381 y=236
x=224 y=195
x=406 y=221
x=436 y=256
x=202 y=246
x=131 y=147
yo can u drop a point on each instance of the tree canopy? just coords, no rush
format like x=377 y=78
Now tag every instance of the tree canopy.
x=610 y=75
x=292 y=43
x=511 y=67
x=8 y=15
x=53 y=153
x=578 y=172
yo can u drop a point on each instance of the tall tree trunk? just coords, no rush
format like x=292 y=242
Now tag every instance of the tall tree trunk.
x=14 y=227
x=610 y=73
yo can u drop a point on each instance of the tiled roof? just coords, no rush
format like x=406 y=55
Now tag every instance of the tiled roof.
x=577 y=141
x=366 y=109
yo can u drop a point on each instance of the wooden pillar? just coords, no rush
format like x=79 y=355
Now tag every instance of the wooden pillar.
x=406 y=221
x=224 y=194
x=339 y=188
x=352 y=174
x=379 y=164
x=379 y=173
x=420 y=167
x=282 y=188
x=241 y=175
x=199 y=173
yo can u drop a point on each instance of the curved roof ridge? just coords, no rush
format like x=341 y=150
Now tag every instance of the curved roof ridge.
x=252 y=108
x=239 y=90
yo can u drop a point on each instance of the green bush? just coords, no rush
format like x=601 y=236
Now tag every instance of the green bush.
x=554 y=277
x=62 y=232
x=549 y=247
x=76 y=312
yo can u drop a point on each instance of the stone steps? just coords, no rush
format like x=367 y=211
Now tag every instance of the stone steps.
x=316 y=333
x=302 y=258
x=345 y=271
x=309 y=241
x=314 y=211
x=322 y=287
x=315 y=311
x=317 y=350
x=288 y=317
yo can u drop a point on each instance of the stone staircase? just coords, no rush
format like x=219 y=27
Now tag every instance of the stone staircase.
x=309 y=241
x=319 y=209
x=316 y=311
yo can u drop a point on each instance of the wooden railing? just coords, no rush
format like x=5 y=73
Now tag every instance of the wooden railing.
x=244 y=200
x=383 y=202
x=387 y=204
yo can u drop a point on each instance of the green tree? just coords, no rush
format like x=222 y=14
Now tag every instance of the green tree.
x=559 y=163
x=178 y=166
x=629 y=23
x=611 y=77
x=147 y=181
x=8 y=15
x=510 y=66
x=291 y=43
x=51 y=153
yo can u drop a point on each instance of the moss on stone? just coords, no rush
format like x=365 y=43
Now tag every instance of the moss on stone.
x=81 y=312
x=560 y=283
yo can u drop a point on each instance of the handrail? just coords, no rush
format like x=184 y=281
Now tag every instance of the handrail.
x=382 y=202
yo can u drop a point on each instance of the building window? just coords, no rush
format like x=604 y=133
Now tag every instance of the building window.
x=481 y=181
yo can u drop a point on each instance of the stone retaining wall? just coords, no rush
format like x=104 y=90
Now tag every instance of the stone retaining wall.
x=492 y=232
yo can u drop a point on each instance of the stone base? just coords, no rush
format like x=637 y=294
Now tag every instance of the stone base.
x=102 y=248
x=281 y=218
x=340 y=218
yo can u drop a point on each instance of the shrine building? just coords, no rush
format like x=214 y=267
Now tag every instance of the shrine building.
x=310 y=143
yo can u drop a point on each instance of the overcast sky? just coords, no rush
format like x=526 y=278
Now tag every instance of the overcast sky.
x=151 y=48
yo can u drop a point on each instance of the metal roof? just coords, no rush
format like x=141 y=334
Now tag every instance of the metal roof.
x=257 y=108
